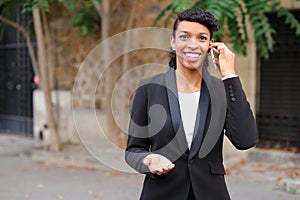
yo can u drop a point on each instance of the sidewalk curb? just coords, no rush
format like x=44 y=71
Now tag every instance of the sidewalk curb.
x=72 y=155
x=287 y=159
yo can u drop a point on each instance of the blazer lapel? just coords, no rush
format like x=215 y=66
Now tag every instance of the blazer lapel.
x=200 y=120
x=218 y=106
x=212 y=97
x=175 y=110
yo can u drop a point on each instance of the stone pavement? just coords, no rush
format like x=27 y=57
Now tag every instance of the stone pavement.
x=264 y=175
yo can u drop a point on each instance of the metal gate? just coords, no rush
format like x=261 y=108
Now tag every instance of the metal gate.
x=279 y=103
x=16 y=83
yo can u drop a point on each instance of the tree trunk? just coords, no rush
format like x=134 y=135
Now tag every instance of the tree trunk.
x=50 y=50
x=42 y=60
x=125 y=62
x=112 y=128
x=104 y=12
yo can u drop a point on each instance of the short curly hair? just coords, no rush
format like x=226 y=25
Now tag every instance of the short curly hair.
x=194 y=15
x=200 y=16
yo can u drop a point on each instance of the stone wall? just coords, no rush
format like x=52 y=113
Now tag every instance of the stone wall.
x=71 y=48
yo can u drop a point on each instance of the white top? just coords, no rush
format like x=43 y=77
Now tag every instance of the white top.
x=188 y=107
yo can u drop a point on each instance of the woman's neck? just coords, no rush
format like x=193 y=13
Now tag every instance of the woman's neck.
x=188 y=80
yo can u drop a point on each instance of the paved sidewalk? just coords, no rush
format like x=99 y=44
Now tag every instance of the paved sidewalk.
x=261 y=177
x=15 y=145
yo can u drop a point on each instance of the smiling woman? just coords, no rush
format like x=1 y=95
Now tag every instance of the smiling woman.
x=183 y=160
x=191 y=44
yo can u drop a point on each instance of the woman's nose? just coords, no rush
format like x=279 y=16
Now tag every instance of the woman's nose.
x=193 y=44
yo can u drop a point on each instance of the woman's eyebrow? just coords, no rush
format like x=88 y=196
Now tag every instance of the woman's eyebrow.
x=183 y=32
x=187 y=32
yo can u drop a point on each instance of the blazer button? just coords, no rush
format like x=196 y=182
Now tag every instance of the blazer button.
x=230 y=86
x=191 y=161
x=233 y=99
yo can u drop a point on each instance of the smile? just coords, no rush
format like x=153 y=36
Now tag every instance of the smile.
x=192 y=56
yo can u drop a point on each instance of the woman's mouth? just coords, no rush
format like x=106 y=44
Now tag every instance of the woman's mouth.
x=192 y=57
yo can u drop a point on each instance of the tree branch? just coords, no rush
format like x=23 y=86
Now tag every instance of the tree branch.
x=98 y=7
x=28 y=41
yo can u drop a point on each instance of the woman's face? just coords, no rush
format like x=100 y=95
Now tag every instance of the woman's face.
x=191 y=44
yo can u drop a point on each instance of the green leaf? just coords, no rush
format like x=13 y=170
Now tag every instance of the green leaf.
x=288 y=19
x=83 y=30
x=282 y=12
x=258 y=25
x=294 y=24
x=292 y=190
x=258 y=33
x=259 y=8
x=70 y=5
x=200 y=4
x=180 y=5
x=275 y=5
x=77 y=19
x=298 y=31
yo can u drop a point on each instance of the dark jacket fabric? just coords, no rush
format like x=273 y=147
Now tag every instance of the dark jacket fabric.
x=156 y=127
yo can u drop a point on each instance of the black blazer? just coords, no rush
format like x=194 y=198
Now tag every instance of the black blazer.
x=156 y=127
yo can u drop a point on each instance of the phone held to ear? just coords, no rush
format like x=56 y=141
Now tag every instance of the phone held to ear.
x=213 y=58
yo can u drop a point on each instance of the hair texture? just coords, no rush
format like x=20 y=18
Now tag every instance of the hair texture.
x=193 y=15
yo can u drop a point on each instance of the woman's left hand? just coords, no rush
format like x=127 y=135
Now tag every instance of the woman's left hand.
x=226 y=58
x=158 y=164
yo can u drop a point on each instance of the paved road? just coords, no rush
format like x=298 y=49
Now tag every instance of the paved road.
x=23 y=178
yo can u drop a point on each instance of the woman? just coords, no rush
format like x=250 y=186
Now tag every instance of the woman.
x=178 y=118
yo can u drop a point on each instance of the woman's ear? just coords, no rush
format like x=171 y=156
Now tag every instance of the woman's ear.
x=211 y=41
x=172 y=42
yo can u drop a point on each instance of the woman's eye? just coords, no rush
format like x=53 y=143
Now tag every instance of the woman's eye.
x=183 y=37
x=202 y=38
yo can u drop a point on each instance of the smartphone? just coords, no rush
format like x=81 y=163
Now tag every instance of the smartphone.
x=213 y=58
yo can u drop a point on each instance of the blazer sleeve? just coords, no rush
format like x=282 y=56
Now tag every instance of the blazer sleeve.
x=138 y=144
x=240 y=124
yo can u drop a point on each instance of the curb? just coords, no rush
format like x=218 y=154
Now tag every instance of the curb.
x=284 y=158
x=71 y=155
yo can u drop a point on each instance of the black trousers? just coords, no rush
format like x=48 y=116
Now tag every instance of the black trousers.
x=191 y=194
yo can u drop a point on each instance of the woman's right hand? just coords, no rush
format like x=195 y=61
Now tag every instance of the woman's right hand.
x=158 y=164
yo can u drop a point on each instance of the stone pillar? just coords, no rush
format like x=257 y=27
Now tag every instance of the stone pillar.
x=62 y=105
